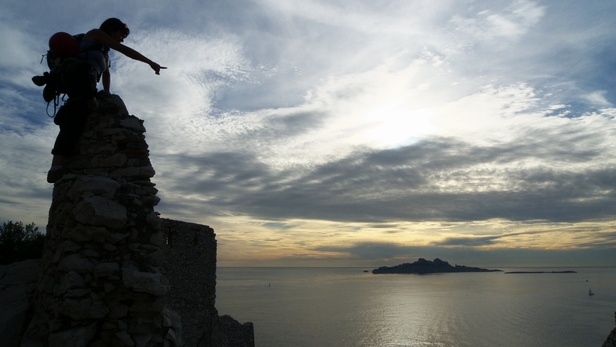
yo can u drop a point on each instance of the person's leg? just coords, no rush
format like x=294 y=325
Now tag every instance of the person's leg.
x=74 y=114
x=80 y=83
x=71 y=124
x=57 y=168
x=57 y=160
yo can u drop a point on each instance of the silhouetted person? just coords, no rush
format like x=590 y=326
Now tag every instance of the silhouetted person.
x=80 y=77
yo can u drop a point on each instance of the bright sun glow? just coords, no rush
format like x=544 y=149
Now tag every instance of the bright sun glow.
x=392 y=125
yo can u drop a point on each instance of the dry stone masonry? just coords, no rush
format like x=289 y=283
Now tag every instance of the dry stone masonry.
x=101 y=282
x=191 y=268
x=104 y=273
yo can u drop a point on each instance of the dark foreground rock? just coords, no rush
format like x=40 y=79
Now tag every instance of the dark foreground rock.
x=423 y=266
x=610 y=341
x=17 y=283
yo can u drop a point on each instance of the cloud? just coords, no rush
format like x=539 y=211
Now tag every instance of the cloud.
x=489 y=26
x=435 y=179
x=598 y=98
x=274 y=116
x=19 y=56
x=384 y=254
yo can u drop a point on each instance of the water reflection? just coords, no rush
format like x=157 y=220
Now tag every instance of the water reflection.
x=345 y=307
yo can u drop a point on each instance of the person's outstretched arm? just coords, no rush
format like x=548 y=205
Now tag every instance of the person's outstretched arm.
x=100 y=37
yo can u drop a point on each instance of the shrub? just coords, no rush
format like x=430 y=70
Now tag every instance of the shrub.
x=20 y=242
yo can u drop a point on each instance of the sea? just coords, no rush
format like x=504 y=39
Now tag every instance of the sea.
x=322 y=307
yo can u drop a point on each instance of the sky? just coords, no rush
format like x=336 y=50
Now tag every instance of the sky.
x=349 y=133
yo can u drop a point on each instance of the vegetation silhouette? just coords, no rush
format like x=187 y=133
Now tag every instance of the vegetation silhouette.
x=20 y=242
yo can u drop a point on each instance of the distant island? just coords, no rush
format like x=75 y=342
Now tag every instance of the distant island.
x=423 y=266
x=541 y=272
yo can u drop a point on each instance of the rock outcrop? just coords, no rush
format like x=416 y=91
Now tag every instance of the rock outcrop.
x=104 y=277
x=18 y=281
x=610 y=341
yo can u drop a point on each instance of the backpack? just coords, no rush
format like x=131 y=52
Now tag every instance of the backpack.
x=64 y=49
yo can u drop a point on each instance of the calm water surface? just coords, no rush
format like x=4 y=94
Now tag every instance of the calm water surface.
x=347 y=307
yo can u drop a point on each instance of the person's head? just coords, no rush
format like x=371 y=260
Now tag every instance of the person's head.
x=115 y=27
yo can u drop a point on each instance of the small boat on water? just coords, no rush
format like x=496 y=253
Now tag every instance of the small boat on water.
x=590 y=293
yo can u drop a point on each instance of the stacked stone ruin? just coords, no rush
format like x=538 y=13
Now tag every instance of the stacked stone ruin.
x=191 y=269
x=102 y=282
x=113 y=272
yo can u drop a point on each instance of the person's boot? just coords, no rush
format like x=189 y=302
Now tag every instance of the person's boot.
x=55 y=173
x=41 y=80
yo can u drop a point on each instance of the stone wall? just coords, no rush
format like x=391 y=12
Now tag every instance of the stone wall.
x=191 y=268
x=113 y=272
x=101 y=280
